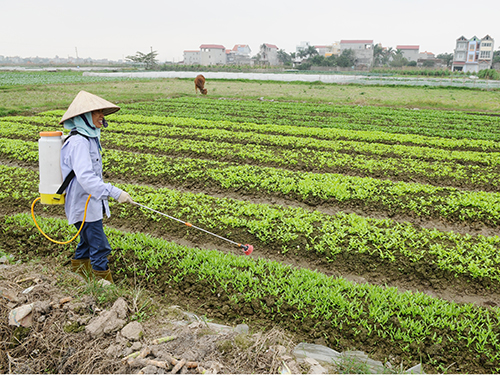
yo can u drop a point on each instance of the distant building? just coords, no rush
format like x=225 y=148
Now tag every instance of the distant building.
x=485 y=60
x=324 y=49
x=428 y=59
x=363 y=50
x=426 y=56
x=410 y=53
x=230 y=56
x=302 y=47
x=239 y=55
x=212 y=54
x=269 y=54
x=192 y=57
x=473 y=55
x=335 y=49
x=242 y=49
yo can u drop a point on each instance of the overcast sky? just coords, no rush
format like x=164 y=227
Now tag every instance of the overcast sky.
x=115 y=29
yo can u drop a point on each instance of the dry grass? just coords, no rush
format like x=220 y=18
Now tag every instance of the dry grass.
x=259 y=352
x=46 y=347
x=58 y=345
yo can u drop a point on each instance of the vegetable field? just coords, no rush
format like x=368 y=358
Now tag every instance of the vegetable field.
x=374 y=228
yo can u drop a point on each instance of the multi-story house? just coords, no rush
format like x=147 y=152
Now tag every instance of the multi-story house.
x=410 y=53
x=302 y=47
x=212 y=54
x=485 y=60
x=192 y=57
x=269 y=54
x=473 y=55
x=239 y=55
x=363 y=50
x=460 y=54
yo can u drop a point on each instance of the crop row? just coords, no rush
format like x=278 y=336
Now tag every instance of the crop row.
x=217 y=135
x=299 y=230
x=316 y=188
x=447 y=124
x=321 y=139
x=408 y=323
x=421 y=200
x=311 y=133
x=296 y=229
x=266 y=150
x=450 y=172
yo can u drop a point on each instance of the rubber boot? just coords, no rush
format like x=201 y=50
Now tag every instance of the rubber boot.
x=81 y=267
x=106 y=275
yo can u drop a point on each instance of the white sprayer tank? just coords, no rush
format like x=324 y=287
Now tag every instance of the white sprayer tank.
x=49 y=157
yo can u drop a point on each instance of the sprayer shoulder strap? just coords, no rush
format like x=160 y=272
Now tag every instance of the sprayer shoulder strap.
x=71 y=174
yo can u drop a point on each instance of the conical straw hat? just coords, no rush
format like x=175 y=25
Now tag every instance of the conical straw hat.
x=87 y=102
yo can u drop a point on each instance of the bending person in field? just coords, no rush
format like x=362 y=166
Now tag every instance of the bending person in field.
x=81 y=153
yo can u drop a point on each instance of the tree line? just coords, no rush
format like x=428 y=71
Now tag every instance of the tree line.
x=382 y=57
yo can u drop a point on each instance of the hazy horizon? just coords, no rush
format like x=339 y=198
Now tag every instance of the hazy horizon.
x=111 y=30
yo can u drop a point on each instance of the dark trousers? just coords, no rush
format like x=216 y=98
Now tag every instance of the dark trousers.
x=94 y=245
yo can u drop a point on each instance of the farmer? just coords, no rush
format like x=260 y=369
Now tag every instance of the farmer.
x=81 y=153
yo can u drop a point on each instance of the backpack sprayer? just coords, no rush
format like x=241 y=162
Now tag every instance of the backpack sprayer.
x=49 y=157
x=52 y=186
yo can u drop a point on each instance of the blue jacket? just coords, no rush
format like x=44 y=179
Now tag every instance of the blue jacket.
x=84 y=157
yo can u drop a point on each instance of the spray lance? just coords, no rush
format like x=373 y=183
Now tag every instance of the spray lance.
x=247 y=249
x=52 y=186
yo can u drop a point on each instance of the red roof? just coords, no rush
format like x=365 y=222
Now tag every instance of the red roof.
x=236 y=46
x=191 y=50
x=356 y=41
x=212 y=46
x=407 y=47
x=270 y=45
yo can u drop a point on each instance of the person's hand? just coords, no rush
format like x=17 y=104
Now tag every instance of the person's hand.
x=125 y=198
